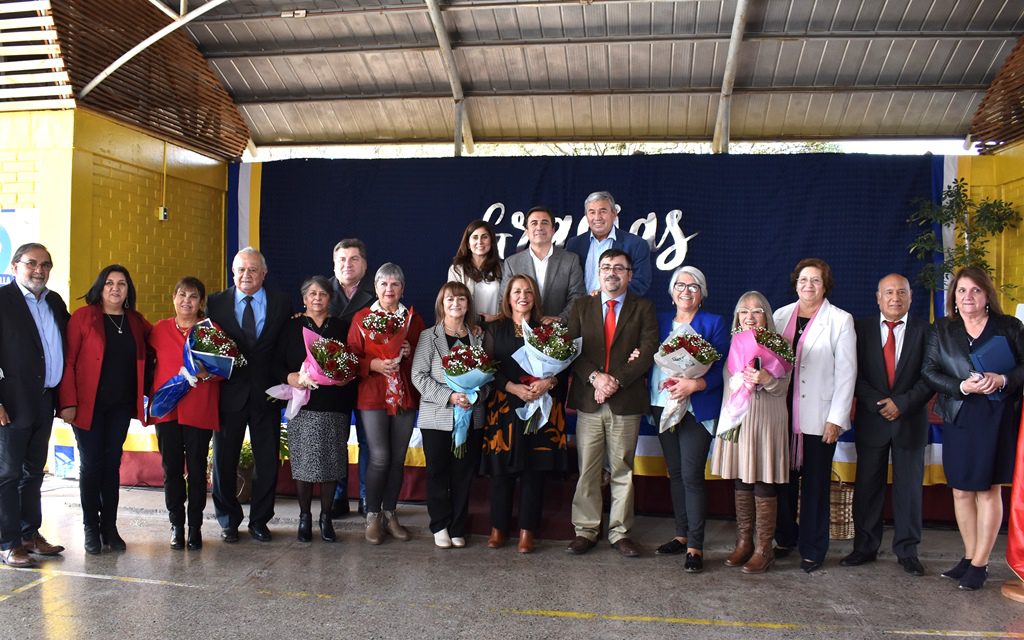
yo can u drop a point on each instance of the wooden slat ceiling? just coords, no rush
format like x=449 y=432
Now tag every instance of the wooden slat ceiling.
x=32 y=74
x=369 y=71
x=999 y=120
x=168 y=89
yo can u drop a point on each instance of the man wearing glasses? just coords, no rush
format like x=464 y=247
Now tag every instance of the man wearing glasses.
x=601 y=216
x=33 y=320
x=610 y=395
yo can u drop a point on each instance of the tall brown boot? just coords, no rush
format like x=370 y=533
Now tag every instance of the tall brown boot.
x=764 y=555
x=744 y=529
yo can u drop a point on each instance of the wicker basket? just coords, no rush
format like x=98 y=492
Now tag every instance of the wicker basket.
x=840 y=526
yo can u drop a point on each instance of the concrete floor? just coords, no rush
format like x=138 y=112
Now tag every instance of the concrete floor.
x=287 y=589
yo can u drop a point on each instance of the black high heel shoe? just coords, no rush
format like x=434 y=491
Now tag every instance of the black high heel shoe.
x=93 y=546
x=327 y=528
x=305 y=527
x=195 y=538
x=974 y=578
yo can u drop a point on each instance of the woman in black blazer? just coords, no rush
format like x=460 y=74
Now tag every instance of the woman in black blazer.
x=980 y=412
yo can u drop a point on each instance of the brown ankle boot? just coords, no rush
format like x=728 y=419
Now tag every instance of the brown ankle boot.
x=525 y=541
x=744 y=529
x=497 y=539
x=764 y=555
x=374 y=528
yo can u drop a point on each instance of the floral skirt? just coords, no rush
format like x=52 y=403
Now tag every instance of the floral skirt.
x=508 y=450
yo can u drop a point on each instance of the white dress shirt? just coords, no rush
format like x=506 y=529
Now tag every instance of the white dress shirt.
x=899 y=331
x=540 y=266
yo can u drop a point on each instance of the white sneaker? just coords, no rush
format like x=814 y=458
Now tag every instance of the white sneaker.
x=443 y=540
x=458 y=543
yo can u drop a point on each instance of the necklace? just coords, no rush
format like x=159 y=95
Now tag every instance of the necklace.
x=182 y=330
x=458 y=333
x=119 y=327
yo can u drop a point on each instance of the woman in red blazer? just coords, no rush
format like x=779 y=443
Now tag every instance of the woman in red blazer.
x=101 y=392
x=184 y=433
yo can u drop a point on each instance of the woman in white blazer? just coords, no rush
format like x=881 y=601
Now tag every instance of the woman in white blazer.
x=448 y=476
x=821 y=396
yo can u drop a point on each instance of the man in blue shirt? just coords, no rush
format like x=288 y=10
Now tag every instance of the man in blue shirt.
x=33 y=321
x=601 y=215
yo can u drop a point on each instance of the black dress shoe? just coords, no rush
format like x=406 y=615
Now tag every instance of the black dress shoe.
x=195 y=538
x=327 y=529
x=112 y=540
x=809 y=566
x=782 y=552
x=912 y=565
x=229 y=534
x=626 y=548
x=177 y=537
x=857 y=558
x=93 y=546
x=340 y=508
x=958 y=571
x=259 y=532
x=305 y=528
x=974 y=578
x=694 y=563
x=671 y=548
x=580 y=545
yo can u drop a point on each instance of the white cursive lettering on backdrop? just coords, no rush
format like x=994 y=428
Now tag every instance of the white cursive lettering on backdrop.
x=670 y=256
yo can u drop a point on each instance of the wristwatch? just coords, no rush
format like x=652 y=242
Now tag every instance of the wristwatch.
x=593 y=376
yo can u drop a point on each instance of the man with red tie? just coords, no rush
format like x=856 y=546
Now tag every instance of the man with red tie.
x=891 y=418
x=609 y=393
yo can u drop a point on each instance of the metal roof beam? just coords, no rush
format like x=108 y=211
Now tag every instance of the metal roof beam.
x=254 y=100
x=463 y=133
x=720 y=142
x=228 y=54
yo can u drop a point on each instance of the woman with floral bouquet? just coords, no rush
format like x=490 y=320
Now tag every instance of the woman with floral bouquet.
x=753 y=433
x=685 y=444
x=383 y=337
x=183 y=433
x=317 y=433
x=509 y=452
x=452 y=453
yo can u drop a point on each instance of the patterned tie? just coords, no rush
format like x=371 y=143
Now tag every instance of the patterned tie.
x=889 y=352
x=249 y=321
x=609 y=332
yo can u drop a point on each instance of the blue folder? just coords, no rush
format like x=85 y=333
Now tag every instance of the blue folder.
x=994 y=356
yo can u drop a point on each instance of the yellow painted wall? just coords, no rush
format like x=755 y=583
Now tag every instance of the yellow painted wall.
x=35 y=173
x=1001 y=176
x=120 y=177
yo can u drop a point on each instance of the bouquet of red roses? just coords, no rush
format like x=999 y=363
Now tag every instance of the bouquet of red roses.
x=466 y=370
x=384 y=333
x=546 y=351
x=207 y=348
x=684 y=353
x=328 y=362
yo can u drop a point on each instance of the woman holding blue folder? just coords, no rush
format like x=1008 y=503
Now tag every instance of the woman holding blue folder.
x=975 y=362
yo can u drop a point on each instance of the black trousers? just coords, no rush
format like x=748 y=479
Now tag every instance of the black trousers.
x=23 y=446
x=869 y=498
x=264 y=423
x=184 y=448
x=531 y=499
x=810 y=484
x=686 y=455
x=449 y=479
x=99 y=450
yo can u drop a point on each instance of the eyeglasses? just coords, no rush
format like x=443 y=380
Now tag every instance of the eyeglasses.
x=33 y=265
x=754 y=312
x=682 y=286
x=618 y=269
x=817 y=282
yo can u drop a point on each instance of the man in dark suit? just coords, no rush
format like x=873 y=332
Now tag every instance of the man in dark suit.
x=891 y=418
x=601 y=215
x=609 y=393
x=351 y=291
x=556 y=272
x=33 y=323
x=253 y=317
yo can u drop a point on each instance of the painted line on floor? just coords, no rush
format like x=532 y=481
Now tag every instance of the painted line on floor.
x=707 y=622
x=100 y=576
x=295 y=594
x=26 y=587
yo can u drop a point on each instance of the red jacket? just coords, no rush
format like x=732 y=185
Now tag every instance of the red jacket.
x=200 y=406
x=84 y=358
x=372 y=386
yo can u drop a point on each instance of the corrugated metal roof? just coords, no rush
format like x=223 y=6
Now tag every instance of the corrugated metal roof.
x=365 y=71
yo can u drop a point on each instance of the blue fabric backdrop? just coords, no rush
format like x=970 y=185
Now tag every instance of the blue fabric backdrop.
x=749 y=218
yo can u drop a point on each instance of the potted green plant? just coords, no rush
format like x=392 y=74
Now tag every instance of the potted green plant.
x=246 y=462
x=974 y=225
